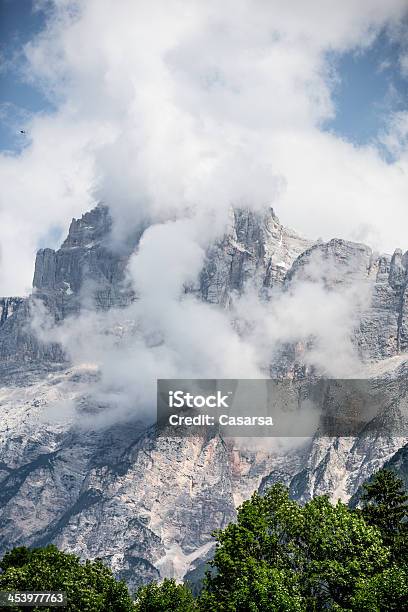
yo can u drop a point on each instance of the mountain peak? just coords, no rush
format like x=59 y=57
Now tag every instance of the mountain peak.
x=92 y=227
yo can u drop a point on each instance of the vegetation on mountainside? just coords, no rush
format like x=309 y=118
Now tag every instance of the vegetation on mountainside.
x=278 y=556
x=89 y=586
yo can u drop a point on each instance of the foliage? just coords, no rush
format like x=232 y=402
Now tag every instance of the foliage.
x=281 y=556
x=384 y=592
x=90 y=586
x=164 y=597
x=385 y=505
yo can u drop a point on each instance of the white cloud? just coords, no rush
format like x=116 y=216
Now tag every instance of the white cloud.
x=163 y=111
x=396 y=137
x=166 y=333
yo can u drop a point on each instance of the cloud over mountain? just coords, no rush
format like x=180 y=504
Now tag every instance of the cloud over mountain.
x=178 y=113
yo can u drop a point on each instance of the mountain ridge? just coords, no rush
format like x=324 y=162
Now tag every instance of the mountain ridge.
x=145 y=504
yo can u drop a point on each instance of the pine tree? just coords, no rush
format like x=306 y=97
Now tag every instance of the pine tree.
x=384 y=505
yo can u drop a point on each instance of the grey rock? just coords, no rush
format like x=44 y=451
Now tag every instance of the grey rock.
x=85 y=269
x=257 y=250
x=9 y=306
x=148 y=504
x=382 y=331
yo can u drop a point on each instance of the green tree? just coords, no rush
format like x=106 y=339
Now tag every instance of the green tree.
x=164 y=597
x=384 y=504
x=384 y=592
x=281 y=556
x=250 y=570
x=90 y=586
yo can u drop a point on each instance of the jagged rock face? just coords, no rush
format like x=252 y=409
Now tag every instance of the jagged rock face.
x=85 y=262
x=86 y=270
x=148 y=504
x=399 y=463
x=338 y=261
x=18 y=344
x=9 y=306
x=256 y=250
x=382 y=331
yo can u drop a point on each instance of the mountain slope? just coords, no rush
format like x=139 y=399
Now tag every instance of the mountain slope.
x=145 y=503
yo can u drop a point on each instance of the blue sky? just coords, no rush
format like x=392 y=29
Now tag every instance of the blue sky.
x=18 y=24
x=370 y=87
x=369 y=84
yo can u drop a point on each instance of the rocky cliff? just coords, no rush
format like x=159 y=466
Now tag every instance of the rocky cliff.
x=145 y=503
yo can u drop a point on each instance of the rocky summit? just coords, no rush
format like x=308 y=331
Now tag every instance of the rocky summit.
x=148 y=504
